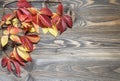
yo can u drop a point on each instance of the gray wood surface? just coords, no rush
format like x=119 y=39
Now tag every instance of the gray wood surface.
x=88 y=52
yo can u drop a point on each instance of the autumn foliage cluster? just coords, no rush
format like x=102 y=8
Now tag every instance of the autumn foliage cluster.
x=20 y=31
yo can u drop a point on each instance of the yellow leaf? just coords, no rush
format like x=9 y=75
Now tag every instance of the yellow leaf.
x=32 y=30
x=23 y=54
x=15 y=38
x=4 y=40
x=15 y=22
x=23 y=48
x=5 y=32
x=8 y=22
x=45 y=30
x=53 y=31
x=24 y=24
x=36 y=27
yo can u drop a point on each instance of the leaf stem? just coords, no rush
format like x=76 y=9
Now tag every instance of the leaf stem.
x=6 y=53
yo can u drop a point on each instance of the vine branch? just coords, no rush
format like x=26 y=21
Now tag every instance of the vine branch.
x=59 y=1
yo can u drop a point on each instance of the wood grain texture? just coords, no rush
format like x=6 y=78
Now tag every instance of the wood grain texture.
x=88 y=52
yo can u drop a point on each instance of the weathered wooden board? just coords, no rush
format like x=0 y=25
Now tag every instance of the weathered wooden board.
x=88 y=52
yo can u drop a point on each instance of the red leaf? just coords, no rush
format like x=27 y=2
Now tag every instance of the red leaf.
x=37 y=21
x=4 y=62
x=61 y=26
x=33 y=38
x=45 y=20
x=58 y=24
x=17 y=57
x=17 y=67
x=26 y=43
x=24 y=11
x=55 y=19
x=60 y=9
x=8 y=16
x=46 y=11
x=21 y=16
x=9 y=66
x=29 y=19
x=22 y=63
x=68 y=20
x=64 y=26
x=23 y=4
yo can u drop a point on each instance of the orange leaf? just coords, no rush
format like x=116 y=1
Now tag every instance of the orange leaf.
x=2 y=23
x=55 y=18
x=33 y=38
x=14 y=30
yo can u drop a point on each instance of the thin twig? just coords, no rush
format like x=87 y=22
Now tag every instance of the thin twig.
x=3 y=13
x=59 y=1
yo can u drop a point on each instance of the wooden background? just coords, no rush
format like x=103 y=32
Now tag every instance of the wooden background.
x=88 y=52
